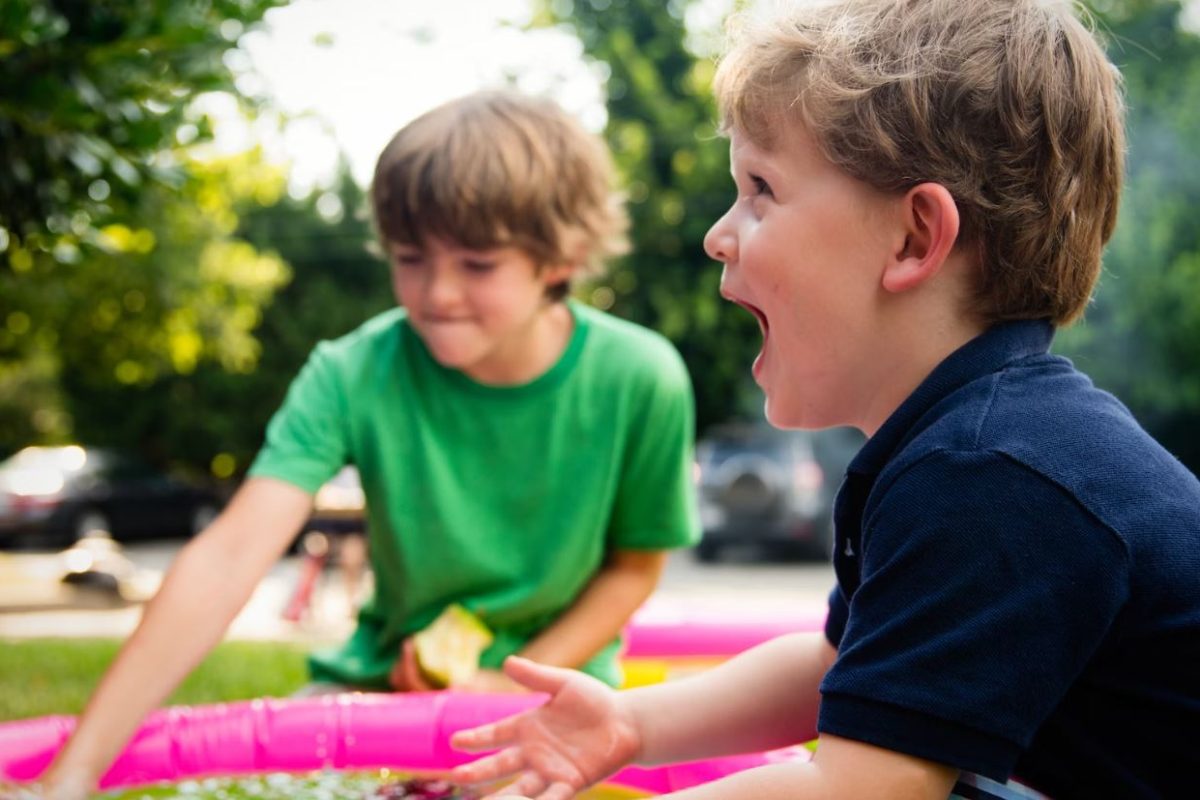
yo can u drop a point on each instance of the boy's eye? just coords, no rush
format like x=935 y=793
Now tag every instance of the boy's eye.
x=407 y=259
x=760 y=185
x=479 y=266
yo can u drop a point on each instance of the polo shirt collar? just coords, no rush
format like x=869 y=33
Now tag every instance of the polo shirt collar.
x=993 y=349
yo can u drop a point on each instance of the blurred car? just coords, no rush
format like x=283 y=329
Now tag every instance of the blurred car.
x=770 y=489
x=54 y=496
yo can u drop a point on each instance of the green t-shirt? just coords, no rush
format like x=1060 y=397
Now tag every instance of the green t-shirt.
x=503 y=499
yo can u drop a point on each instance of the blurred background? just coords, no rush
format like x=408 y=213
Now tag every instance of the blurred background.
x=182 y=217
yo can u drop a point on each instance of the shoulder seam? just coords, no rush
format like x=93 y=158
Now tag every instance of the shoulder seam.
x=869 y=522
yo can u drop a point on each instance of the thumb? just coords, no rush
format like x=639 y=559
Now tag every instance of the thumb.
x=535 y=676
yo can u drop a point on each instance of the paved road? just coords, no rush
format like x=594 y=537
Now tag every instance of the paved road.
x=743 y=587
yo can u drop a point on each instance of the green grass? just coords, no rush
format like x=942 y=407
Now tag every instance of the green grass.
x=56 y=676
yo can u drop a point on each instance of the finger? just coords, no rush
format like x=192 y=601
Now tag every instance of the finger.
x=529 y=784
x=412 y=669
x=396 y=676
x=499 y=765
x=557 y=791
x=495 y=734
x=535 y=676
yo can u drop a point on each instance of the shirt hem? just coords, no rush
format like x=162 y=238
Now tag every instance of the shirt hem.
x=918 y=734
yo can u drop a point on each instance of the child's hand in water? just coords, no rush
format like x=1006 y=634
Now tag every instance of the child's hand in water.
x=424 y=789
x=578 y=738
x=17 y=791
x=62 y=789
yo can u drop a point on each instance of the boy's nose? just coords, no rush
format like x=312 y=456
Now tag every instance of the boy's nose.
x=441 y=289
x=720 y=242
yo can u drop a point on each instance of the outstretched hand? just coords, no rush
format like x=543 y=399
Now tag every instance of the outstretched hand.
x=582 y=735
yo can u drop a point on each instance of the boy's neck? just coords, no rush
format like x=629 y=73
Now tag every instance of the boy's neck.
x=913 y=352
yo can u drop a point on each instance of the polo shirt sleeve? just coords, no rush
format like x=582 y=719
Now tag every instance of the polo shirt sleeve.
x=307 y=438
x=655 y=505
x=985 y=589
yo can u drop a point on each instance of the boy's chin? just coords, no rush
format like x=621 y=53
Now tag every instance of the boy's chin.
x=776 y=416
x=451 y=357
x=780 y=417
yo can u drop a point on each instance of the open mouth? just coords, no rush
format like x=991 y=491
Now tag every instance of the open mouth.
x=758 y=314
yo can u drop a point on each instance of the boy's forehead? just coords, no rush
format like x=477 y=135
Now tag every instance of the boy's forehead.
x=790 y=144
x=744 y=149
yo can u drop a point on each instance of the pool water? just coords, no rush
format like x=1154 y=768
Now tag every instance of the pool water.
x=323 y=785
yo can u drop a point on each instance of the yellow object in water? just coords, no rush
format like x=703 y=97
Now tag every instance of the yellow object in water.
x=448 y=649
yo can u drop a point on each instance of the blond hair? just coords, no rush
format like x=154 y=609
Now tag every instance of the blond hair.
x=495 y=169
x=1011 y=105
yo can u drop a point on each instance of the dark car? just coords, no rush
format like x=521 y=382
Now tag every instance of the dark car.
x=770 y=489
x=53 y=496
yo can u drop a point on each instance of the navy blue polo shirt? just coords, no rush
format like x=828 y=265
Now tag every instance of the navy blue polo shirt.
x=1018 y=593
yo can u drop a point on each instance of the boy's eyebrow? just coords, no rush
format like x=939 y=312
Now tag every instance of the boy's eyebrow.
x=755 y=164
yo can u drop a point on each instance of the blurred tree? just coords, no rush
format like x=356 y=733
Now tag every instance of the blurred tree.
x=1141 y=337
x=338 y=282
x=207 y=408
x=88 y=341
x=118 y=264
x=164 y=310
x=675 y=168
x=94 y=97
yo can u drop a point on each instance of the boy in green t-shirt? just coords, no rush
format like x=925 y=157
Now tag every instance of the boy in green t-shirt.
x=522 y=455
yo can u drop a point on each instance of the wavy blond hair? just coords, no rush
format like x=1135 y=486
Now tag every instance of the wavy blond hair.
x=1011 y=105
x=498 y=168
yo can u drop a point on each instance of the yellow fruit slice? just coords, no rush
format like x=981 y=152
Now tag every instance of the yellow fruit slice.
x=448 y=650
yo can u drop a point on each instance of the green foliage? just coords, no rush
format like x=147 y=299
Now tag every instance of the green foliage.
x=337 y=284
x=211 y=386
x=115 y=333
x=56 y=676
x=91 y=93
x=675 y=167
x=1141 y=338
x=122 y=274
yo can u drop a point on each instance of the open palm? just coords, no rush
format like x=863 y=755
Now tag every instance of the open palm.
x=582 y=735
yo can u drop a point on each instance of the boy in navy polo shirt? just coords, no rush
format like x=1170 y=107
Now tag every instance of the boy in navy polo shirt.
x=923 y=193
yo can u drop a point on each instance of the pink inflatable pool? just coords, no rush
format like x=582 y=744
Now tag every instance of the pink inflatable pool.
x=660 y=630
x=353 y=731
x=665 y=641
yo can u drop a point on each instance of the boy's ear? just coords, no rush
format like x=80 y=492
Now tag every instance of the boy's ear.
x=553 y=274
x=930 y=225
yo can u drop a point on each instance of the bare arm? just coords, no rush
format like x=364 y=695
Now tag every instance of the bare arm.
x=760 y=700
x=843 y=769
x=600 y=611
x=206 y=586
x=763 y=699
